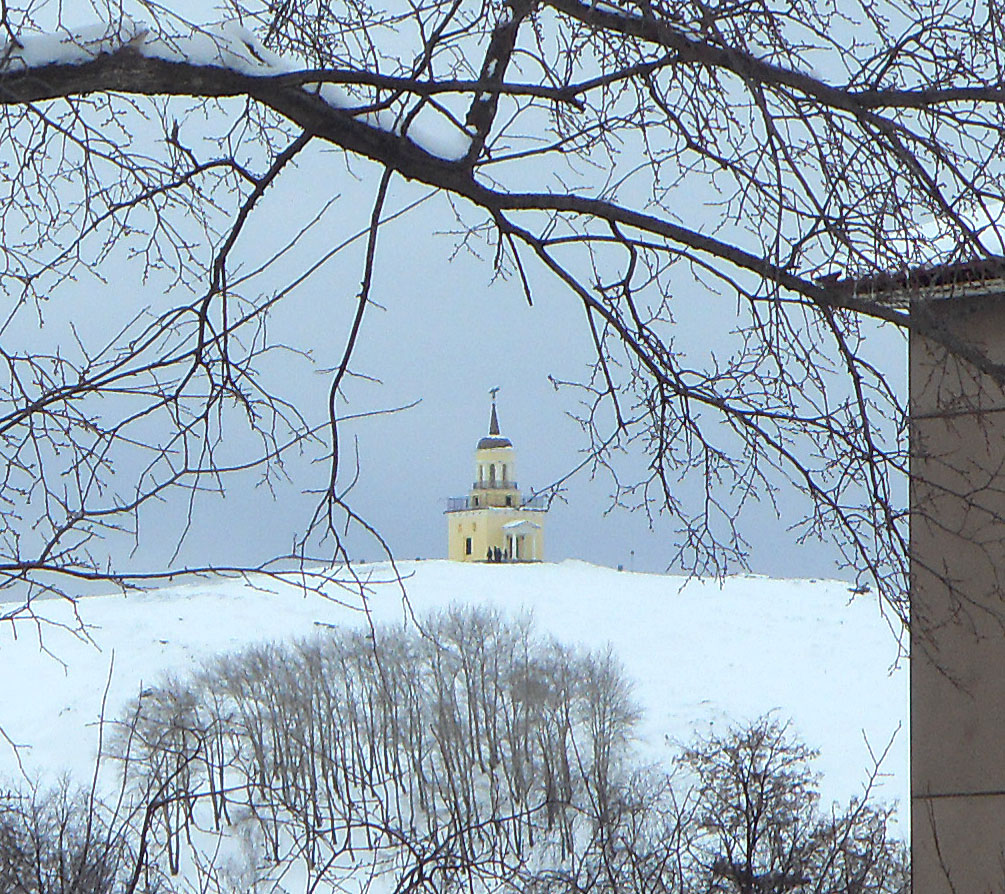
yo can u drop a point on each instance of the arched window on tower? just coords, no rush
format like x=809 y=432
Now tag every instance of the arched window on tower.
x=492 y=474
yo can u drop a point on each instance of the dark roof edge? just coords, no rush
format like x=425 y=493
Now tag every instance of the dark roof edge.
x=976 y=278
x=494 y=441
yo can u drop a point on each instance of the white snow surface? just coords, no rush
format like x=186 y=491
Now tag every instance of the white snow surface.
x=701 y=654
x=68 y=47
x=226 y=46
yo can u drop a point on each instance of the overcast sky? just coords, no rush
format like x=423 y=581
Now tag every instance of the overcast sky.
x=445 y=335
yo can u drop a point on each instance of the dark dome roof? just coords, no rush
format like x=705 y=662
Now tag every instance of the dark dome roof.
x=494 y=441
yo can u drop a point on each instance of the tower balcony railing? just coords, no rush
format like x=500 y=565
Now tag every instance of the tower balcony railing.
x=495 y=485
x=537 y=503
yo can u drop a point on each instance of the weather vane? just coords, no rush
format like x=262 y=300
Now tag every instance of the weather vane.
x=493 y=391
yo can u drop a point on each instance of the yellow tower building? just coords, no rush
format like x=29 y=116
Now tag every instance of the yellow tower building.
x=493 y=523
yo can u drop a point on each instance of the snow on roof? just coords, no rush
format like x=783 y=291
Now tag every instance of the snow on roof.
x=521 y=525
x=981 y=277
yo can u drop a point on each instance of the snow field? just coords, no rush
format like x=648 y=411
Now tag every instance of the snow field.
x=700 y=655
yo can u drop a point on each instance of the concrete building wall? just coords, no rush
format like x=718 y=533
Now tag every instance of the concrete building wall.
x=958 y=606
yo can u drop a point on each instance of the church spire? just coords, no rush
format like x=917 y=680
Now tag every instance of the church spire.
x=494 y=421
x=493 y=439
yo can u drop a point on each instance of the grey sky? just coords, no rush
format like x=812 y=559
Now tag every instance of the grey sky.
x=446 y=334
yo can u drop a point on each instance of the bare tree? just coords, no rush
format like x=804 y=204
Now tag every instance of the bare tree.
x=658 y=161
x=464 y=756
x=760 y=828
x=739 y=814
x=58 y=841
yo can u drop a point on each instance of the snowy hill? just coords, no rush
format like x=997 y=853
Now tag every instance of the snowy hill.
x=699 y=654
